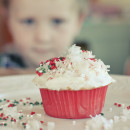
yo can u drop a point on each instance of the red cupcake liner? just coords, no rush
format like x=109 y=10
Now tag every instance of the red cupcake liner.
x=69 y=104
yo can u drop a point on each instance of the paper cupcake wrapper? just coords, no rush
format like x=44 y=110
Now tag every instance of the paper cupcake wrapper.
x=69 y=104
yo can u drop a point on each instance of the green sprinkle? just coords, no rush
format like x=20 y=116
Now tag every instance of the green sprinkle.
x=41 y=65
x=1 y=119
x=14 y=105
x=20 y=118
x=24 y=126
x=41 y=103
x=44 y=71
x=61 y=58
x=16 y=102
x=49 y=67
x=36 y=103
x=31 y=103
x=0 y=100
x=102 y=114
x=22 y=123
x=24 y=104
x=4 y=99
x=1 y=109
x=5 y=124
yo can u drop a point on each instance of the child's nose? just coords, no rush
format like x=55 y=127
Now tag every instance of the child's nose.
x=43 y=34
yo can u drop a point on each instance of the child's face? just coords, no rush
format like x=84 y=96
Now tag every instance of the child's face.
x=42 y=29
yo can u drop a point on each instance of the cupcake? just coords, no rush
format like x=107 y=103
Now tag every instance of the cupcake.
x=73 y=86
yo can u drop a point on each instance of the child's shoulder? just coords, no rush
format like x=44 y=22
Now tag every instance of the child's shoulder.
x=9 y=60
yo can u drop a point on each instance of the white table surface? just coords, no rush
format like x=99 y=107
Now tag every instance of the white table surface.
x=17 y=87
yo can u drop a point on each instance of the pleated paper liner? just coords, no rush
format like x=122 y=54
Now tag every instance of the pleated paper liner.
x=69 y=104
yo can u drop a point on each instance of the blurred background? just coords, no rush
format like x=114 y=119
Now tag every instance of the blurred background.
x=106 y=32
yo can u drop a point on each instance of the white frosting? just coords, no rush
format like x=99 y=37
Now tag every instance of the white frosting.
x=77 y=71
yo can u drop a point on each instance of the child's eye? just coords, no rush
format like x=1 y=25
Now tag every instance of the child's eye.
x=28 y=21
x=57 y=21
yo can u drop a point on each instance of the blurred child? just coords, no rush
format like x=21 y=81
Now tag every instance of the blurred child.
x=41 y=29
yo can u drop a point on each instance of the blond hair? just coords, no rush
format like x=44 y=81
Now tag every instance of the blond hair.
x=82 y=4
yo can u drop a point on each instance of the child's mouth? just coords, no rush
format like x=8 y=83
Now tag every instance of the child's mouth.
x=42 y=51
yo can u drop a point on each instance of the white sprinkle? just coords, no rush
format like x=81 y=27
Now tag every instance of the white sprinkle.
x=87 y=128
x=40 y=71
x=28 y=116
x=116 y=119
x=125 y=112
x=83 y=75
x=27 y=126
x=124 y=118
x=111 y=121
x=123 y=105
x=19 y=114
x=50 y=125
x=74 y=122
x=31 y=116
x=110 y=109
x=39 y=115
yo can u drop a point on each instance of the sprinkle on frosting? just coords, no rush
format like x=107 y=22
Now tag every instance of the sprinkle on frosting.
x=48 y=65
x=75 y=70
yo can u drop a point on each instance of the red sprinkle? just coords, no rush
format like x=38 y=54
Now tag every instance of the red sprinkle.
x=1 y=114
x=119 y=105
x=42 y=63
x=47 y=61
x=32 y=113
x=8 y=100
x=10 y=105
x=93 y=59
x=14 y=120
x=42 y=122
x=50 y=78
x=84 y=51
x=28 y=98
x=40 y=74
x=4 y=118
x=63 y=59
x=57 y=59
x=20 y=100
x=54 y=59
x=128 y=107
x=41 y=129
x=53 y=67
x=52 y=63
x=115 y=104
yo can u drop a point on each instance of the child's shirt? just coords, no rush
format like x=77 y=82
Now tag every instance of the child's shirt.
x=9 y=60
